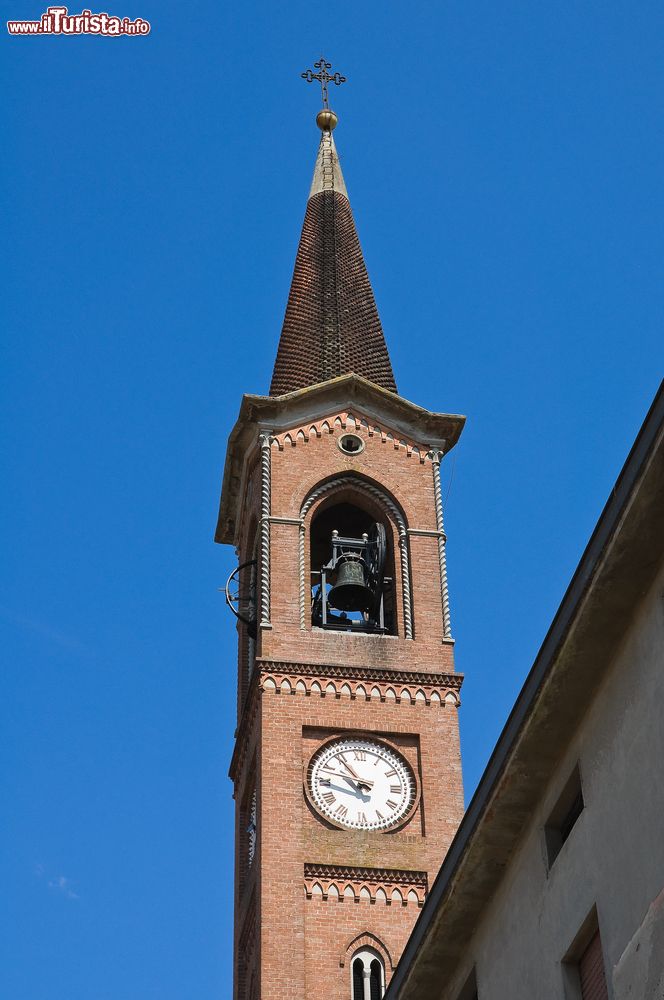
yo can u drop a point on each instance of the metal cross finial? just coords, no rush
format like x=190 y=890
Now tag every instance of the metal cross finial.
x=323 y=78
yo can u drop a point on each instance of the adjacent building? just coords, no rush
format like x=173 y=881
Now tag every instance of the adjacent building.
x=553 y=887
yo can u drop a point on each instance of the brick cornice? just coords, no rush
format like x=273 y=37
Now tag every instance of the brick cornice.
x=323 y=671
x=418 y=688
x=393 y=876
x=350 y=884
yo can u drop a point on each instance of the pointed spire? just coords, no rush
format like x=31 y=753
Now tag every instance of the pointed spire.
x=331 y=326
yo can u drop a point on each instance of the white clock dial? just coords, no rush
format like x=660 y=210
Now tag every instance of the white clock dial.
x=361 y=784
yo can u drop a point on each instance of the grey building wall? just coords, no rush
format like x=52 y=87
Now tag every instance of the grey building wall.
x=613 y=858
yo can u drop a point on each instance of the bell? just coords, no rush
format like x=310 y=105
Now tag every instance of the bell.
x=350 y=592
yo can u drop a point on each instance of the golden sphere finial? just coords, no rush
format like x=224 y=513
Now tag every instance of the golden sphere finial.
x=326 y=120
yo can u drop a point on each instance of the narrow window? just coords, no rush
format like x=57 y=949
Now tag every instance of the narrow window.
x=563 y=816
x=583 y=965
x=358 y=979
x=376 y=980
x=368 y=975
x=591 y=971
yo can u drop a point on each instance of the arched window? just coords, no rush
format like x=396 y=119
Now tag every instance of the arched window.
x=368 y=975
x=352 y=568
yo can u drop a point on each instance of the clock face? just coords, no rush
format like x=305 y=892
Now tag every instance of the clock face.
x=361 y=784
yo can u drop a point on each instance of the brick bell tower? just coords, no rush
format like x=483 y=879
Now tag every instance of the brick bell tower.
x=346 y=770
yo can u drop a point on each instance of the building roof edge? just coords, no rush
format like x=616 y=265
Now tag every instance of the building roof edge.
x=484 y=809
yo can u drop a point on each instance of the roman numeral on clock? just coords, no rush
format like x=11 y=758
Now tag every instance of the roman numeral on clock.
x=360 y=755
x=329 y=798
x=341 y=812
x=390 y=804
x=390 y=774
x=361 y=819
x=395 y=789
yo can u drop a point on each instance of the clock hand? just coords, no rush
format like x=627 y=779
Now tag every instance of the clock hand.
x=348 y=767
x=361 y=781
x=344 y=789
x=351 y=781
x=357 y=783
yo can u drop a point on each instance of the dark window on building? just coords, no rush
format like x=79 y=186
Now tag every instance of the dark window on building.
x=351 y=444
x=591 y=971
x=583 y=966
x=563 y=816
x=376 y=980
x=358 y=979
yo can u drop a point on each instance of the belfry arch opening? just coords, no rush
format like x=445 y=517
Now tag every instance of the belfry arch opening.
x=352 y=567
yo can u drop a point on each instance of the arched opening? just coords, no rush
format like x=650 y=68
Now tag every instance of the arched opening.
x=368 y=975
x=376 y=980
x=358 y=979
x=352 y=576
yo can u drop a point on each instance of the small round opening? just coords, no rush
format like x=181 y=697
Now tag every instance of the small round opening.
x=351 y=444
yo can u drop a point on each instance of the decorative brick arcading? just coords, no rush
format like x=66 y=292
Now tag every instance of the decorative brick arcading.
x=331 y=326
x=347 y=884
x=358 y=424
x=364 y=684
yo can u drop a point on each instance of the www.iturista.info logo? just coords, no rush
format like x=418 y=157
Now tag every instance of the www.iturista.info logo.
x=58 y=21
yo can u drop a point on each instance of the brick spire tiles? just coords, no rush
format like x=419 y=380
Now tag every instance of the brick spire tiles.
x=331 y=325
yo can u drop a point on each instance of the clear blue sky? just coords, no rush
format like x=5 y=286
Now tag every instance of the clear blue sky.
x=504 y=162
